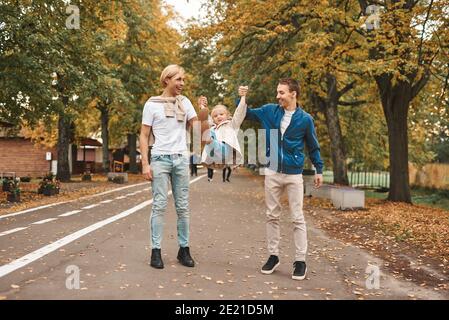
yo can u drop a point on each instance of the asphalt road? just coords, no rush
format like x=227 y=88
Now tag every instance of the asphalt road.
x=104 y=242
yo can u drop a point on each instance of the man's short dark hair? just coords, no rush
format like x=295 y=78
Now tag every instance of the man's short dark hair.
x=292 y=84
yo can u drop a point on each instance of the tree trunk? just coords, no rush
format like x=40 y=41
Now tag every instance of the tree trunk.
x=105 y=136
x=132 y=153
x=395 y=103
x=329 y=106
x=338 y=153
x=63 y=173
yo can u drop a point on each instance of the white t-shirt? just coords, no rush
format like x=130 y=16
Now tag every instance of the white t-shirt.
x=169 y=133
x=286 y=119
x=285 y=122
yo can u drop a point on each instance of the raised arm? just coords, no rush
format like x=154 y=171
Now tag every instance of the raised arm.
x=240 y=112
x=255 y=114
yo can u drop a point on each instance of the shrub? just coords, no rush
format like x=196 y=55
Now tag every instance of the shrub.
x=49 y=185
x=25 y=179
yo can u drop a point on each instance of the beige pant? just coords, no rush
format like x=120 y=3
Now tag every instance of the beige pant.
x=275 y=183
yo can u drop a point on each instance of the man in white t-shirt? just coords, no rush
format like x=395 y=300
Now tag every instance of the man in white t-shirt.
x=166 y=118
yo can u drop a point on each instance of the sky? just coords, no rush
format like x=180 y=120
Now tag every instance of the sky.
x=186 y=8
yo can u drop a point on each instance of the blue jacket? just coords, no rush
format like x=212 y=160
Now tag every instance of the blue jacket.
x=300 y=132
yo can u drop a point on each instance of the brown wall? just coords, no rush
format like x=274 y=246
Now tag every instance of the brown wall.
x=22 y=157
x=434 y=175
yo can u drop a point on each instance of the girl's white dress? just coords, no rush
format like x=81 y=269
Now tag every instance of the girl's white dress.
x=225 y=140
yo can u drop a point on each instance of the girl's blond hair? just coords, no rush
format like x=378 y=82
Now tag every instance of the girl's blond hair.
x=220 y=106
x=169 y=72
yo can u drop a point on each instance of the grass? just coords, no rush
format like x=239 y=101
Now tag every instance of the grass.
x=428 y=197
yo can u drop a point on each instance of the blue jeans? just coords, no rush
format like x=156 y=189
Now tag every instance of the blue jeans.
x=173 y=168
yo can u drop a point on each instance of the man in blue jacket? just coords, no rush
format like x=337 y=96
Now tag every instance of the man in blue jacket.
x=293 y=129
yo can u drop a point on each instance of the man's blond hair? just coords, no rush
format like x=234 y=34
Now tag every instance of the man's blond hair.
x=169 y=72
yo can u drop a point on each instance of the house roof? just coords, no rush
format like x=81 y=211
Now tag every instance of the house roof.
x=90 y=142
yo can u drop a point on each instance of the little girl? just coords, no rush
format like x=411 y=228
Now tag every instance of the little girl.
x=222 y=139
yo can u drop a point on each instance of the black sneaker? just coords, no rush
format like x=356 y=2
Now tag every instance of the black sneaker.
x=270 y=265
x=299 y=271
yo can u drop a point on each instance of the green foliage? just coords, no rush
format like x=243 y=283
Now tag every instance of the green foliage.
x=49 y=182
x=256 y=43
x=113 y=61
x=13 y=186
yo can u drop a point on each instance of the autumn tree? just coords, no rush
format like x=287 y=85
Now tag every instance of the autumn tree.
x=260 y=42
x=402 y=53
x=110 y=62
x=45 y=63
x=150 y=44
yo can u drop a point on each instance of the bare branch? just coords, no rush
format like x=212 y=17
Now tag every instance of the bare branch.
x=416 y=88
x=446 y=83
x=352 y=103
x=348 y=87
x=423 y=31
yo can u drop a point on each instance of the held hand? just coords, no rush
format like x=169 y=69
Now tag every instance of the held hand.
x=147 y=172
x=243 y=90
x=318 y=180
x=202 y=102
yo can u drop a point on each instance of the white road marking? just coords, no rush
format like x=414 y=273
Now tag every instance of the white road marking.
x=69 y=213
x=45 y=221
x=58 y=203
x=106 y=201
x=120 y=197
x=91 y=206
x=39 y=253
x=4 y=233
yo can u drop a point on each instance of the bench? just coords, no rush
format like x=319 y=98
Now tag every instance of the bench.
x=342 y=197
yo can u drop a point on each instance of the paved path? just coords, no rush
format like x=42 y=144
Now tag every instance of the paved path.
x=106 y=238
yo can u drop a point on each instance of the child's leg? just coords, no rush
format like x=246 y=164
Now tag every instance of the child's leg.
x=210 y=173
x=229 y=173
